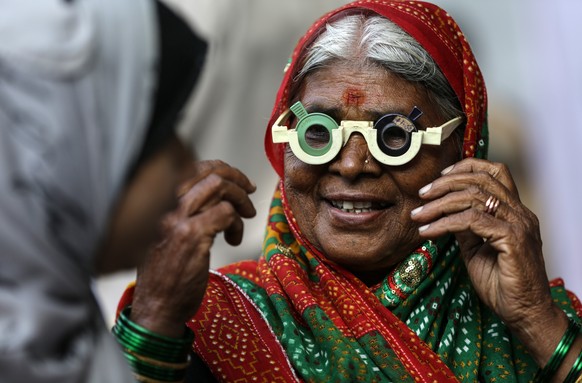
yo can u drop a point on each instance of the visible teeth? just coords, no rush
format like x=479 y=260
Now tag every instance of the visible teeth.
x=353 y=207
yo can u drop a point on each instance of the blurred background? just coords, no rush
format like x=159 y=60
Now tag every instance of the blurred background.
x=531 y=57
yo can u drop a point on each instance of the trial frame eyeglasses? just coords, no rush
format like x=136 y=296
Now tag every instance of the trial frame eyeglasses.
x=393 y=140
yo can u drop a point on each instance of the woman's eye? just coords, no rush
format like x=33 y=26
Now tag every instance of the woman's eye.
x=317 y=136
x=394 y=137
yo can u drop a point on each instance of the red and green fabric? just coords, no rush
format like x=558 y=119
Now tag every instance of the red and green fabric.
x=294 y=316
x=313 y=321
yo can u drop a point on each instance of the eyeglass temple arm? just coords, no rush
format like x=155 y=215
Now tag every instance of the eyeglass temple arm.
x=280 y=133
x=436 y=135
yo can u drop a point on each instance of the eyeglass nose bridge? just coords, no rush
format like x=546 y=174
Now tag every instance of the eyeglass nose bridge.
x=367 y=130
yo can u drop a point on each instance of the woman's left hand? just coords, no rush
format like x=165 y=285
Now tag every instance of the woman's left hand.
x=500 y=245
x=172 y=281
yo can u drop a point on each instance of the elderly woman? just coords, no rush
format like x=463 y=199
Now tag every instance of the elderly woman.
x=394 y=252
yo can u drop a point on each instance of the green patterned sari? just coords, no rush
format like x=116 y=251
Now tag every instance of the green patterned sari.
x=424 y=322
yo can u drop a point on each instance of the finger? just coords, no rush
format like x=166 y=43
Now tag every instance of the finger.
x=195 y=236
x=218 y=218
x=496 y=170
x=202 y=169
x=455 y=202
x=223 y=218
x=470 y=244
x=198 y=171
x=462 y=181
x=198 y=232
x=478 y=222
x=234 y=233
x=212 y=190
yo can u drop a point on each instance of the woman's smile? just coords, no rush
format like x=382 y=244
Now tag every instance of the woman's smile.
x=355 y=209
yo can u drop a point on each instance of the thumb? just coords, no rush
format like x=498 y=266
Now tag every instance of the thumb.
x=469 y=244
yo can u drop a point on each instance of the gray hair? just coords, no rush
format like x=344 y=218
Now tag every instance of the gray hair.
x=375 y=39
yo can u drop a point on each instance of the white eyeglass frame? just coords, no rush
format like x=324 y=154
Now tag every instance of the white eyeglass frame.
x=340 y=136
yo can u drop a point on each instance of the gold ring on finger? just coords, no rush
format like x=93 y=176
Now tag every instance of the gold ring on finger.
x=491 y=205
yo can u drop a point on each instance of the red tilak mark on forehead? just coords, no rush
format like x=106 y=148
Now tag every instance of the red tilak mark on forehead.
x=353 y=97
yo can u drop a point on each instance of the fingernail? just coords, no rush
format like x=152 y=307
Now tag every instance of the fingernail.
x=416 y=211
x=423 y=228
x=424 y=189
x=448 y=169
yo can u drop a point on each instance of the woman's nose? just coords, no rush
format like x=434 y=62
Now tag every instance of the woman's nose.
x=354 y=159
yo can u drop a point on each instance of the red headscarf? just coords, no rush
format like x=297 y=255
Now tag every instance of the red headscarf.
x=439 y=35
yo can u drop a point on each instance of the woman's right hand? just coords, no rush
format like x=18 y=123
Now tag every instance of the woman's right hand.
x=172 y=281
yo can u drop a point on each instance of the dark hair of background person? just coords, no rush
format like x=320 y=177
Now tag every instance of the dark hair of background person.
x=179 y=69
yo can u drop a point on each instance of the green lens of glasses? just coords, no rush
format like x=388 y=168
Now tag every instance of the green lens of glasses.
x=314 y=133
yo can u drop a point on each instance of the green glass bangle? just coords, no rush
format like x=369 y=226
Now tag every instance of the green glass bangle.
x=144 y=379
x=186 y=340
x=141 y=341
x=576 y=370
x=148 y=347
x=154 y=372
x=125 y=335
x=153 y=353
x=159 y=363
x=559 y=354
x=124 y=329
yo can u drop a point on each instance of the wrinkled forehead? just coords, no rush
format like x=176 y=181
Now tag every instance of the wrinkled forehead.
x=356 y=92
x=438 y=34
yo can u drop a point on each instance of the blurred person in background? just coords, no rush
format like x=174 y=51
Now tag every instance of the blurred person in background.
x=90 y=95
x=249 y=44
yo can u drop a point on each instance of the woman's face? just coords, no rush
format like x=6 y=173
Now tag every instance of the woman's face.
x=369 y=242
